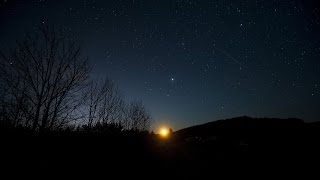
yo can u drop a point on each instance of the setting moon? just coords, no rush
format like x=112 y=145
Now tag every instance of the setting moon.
x=164 y=132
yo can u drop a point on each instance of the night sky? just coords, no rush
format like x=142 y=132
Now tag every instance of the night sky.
x=192 y=62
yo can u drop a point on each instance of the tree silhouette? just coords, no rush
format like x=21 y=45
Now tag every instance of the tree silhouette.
x=45 y=85
x=42 y=78
x=104 y=108
x=104 y=103
x=138 y=118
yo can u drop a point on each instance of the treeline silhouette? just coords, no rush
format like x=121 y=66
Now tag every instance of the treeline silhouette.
x=46 y=85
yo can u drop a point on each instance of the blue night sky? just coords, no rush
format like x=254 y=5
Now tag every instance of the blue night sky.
x=191 y=62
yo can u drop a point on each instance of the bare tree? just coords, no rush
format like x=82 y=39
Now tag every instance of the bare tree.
x=105 y=107
x=42 y=77
x=104 y=103
x=138 y=118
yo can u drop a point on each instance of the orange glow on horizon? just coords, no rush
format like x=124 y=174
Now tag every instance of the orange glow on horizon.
x=164 y=132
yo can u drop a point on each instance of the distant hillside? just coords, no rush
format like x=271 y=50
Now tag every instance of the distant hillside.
x=242 y=125
x=250 y=141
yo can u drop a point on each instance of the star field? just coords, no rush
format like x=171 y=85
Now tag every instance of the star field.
x=192 y=61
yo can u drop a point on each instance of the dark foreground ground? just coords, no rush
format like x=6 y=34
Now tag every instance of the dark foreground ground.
x=241 y=148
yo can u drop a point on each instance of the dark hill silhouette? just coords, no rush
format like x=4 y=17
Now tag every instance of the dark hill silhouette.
x=242 y=124
x=252 y=136
x=246 y=143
